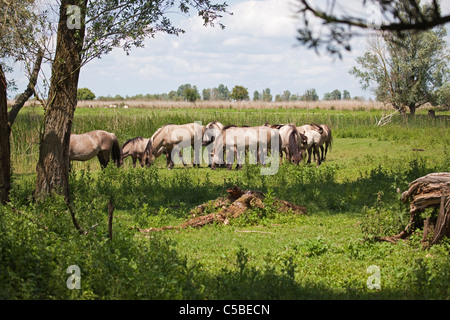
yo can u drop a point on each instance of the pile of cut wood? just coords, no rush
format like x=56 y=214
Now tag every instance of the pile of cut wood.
x=235 y=204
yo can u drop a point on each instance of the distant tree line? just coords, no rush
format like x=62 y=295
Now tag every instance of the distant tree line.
x=188 y=92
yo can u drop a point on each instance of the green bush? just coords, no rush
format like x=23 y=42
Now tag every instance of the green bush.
x=85 y=94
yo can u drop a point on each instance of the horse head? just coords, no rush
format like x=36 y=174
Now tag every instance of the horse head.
x=212 y=130
x=303 y=139
x=148 y=156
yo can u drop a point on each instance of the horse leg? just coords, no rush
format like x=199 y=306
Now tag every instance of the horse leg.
x=169 y=162
x=229 y=162
x=102 y=160
x=178 y=150
x=317 y=151
x=141 y=161
x=309 y=155
x=196 y=156
x=180 y=154
x=134 y=161
x=262 y=156
x=238 y=159
x=322 y=150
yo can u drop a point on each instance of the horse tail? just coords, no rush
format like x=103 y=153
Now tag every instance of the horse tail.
x=317 y=127
x=330 y=138
x=116 y=152
x=293 y=142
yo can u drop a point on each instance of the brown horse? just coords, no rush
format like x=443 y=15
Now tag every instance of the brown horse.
x=173 y=138
x=289 y=141
x=98 y=143
x=313 y=141
x=135 y=148
x=235 y=141
x=212 y=130
x=327 y=139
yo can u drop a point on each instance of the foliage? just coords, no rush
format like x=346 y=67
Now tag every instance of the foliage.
x=286 y=96
x=266 y=95
x=443 y=95
x=310 y=95
x=85 y=94
x=334 y=95
x=239 y=93
x=191 y=94
x=338 y=23
x=218 y=93
x=405 y=70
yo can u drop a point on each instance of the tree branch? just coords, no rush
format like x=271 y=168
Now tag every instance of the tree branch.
x=28 y=91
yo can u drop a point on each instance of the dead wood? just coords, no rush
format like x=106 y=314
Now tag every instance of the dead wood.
x=110 y=219
x=430 y=191
x=230 y=207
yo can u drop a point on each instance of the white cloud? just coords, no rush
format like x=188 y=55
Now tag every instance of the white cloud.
x=256 y=50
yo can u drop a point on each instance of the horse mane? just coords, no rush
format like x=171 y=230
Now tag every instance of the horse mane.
x=148 y=147
x=293 y=140
x=157 y=132
x=229 y=126
x=131 y=140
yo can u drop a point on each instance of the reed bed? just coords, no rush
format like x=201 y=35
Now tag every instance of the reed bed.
x=354 y=105
x=201 y=104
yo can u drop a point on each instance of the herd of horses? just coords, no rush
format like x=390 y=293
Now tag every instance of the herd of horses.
x=232 y=141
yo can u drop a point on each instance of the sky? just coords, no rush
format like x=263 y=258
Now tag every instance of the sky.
x=257 y=49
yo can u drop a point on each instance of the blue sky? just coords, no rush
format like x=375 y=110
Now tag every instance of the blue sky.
x=257 y=49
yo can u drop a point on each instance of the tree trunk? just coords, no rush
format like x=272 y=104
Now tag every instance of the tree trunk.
x=430 y=191
x=5 y=162
x=412 y=109
x=53 y=166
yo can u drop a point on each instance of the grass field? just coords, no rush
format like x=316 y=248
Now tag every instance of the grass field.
x=350 y=198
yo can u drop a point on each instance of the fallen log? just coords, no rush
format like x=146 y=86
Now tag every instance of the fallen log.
x=230 y=207
x=430 y=191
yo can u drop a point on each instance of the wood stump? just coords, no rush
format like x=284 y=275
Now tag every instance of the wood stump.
x=430 y=191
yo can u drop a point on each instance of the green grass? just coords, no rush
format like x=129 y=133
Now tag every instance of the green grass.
x=325 y=254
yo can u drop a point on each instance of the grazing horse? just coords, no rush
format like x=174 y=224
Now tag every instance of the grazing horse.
x=135 y=148
x=235 y=140
x=290 y=141
x=327 y=139
x=212 y=130
x=313 y=142
x=98 y=143
x=173 y=138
